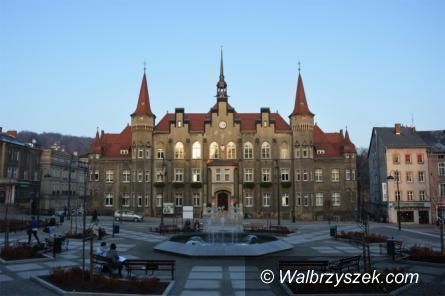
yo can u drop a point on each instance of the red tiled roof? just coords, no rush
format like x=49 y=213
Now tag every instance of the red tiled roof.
x=95 y=146
x=143 y=106
x=301 y=107
x=332 y=143
x=112 y=144
x=248 y=121
x=348 y=146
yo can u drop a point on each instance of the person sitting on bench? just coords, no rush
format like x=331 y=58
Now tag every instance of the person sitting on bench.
x=115 y=262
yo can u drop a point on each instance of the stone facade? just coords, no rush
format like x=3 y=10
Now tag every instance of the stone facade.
x=64 y=176
x=256 y=162
x=19 y=173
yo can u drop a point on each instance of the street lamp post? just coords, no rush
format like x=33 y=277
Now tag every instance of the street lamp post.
x=276 y=167
x=397 y=177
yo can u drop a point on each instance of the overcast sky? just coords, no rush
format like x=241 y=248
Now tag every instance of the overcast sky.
x=72 y=66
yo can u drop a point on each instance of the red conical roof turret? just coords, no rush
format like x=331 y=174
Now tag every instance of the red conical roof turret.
x=348 y=146
x=96 y=146
x=301 y=106
x=143 y=107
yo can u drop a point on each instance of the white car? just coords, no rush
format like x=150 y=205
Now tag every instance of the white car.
x=124 y=215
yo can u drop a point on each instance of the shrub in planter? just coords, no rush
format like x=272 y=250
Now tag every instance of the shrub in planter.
x=286 y=184
x=159 y=184
x=248 y=185
x=21 y=252
x=196 y=185
x=358 y=236
x=178 y=184
x=266 y=184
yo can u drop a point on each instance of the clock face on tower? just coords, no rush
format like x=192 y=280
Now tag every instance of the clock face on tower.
x=222 y=124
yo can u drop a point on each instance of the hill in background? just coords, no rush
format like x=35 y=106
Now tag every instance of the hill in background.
x=69 y=143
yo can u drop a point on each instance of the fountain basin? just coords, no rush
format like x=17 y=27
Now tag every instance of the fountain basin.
x=223 y=244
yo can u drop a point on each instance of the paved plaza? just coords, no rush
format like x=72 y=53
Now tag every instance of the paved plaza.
x=229 y=275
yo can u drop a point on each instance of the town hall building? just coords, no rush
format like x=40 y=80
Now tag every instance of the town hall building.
x=257 y=163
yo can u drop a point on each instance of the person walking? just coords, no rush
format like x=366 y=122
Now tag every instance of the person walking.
x=33 y=228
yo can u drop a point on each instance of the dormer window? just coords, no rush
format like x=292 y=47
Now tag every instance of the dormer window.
x=179 y=124
x=321 y=151
x=124 y=152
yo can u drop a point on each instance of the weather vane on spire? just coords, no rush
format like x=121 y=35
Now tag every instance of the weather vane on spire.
x=299 y=64
x=145 y=66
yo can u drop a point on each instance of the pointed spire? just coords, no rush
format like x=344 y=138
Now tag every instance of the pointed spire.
x=143 y=106
x=348 y=146
x=301 y=107
x=96 y=146
x=221 y=86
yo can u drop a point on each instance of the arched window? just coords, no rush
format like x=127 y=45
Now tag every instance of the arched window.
x=196 y=150
x=179 y=150
x=248 y=150
x=231 y=151
x=284 y=151
x=214 y=151
x=265 y=150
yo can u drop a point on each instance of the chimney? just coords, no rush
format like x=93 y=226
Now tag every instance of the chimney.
x=12 y=133
x=102 y=134
x=397 y=128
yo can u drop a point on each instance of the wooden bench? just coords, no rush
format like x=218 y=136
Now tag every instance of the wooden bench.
x=101 y=261
x=346 y=264
x=150 y=265
x=320 y=265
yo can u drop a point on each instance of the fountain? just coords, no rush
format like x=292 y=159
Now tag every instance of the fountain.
x=223 y=236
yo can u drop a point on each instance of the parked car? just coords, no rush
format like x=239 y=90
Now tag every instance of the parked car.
x=124 y=215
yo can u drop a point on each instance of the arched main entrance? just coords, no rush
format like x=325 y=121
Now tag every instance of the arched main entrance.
x=222 y=198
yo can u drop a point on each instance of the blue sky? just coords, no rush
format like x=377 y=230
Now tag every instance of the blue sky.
x=70 y=66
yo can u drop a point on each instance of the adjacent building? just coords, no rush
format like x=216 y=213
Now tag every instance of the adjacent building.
x=406 y=172
x=258 y=163
x=436 y=164
x=19 y=173
x=64 y=179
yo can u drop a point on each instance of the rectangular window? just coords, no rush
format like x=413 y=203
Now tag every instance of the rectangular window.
x=159 y=175
x=265 y=175
x=147 y=200
x=408 y=158
x=318 y=175
x=305 y=152
x=125 y=200
x=305 y=176
x=108 y=202
x=395 y=158
x=140 y=153
x=147 y=176
x=421 y=195
x=285 y=199
x=410 y=195
x=179 y=175
x=248 y=199
x=266 y=199
x=421 y=176
x=96 y=175
x=139 y=200
x=419 y=158
x=298 y=199
x=284 y=175
x=335 y=199
x=196 y=175
x=409 y=177
x=348 y=174
x=140 y=176
x=218 y=175
x=441 y=167
x=227 y=175
x=178 y=199
x=298 y=175
x=352 y=174
x=159 y=200
x=126 y=176
x=398 y=195
x=248 y=175
x=335 y=175
x=196 y=199
x=160 y=154
x=109 y=176
x=305 y=199
x=319 y=199
x=297 y=152
x=397 y=176
x=442 y=190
